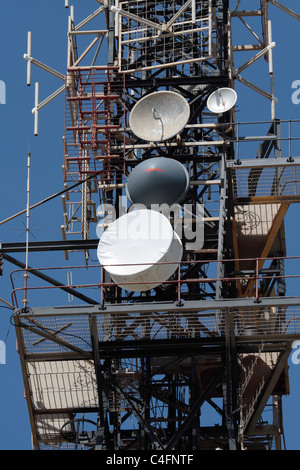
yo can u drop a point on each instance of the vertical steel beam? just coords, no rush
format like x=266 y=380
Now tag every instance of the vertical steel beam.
x=102 y=389
x=137 y=414
x=229 y=385
x=195 y=409
x=277 y=370
x=222 y=228
x=111 y=34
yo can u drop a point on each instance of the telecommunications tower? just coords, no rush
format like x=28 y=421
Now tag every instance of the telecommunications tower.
x=179 y=303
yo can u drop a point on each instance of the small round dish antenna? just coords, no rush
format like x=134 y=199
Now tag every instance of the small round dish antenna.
x=221 y=100
x=159 y=116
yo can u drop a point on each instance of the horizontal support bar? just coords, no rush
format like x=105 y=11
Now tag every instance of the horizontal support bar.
x=190 y=306
x=263 y=162
x=251 y=200
x=246 y=13
x=176 y=81
x=57 y=245
x=158 y=348
x=200 y=143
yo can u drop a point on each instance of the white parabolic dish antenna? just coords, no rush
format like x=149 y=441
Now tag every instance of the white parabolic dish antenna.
x=221 y=100
x=131 y=247
x=159 y=116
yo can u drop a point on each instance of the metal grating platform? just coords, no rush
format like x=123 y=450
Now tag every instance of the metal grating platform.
x=56 y=347
x=62 y=329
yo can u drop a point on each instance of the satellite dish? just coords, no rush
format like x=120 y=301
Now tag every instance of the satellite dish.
x=131 y=247
x=221 y=100
x=158 y=180
x=159 y=116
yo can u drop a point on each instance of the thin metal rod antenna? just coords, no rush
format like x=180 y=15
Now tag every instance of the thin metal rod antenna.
x=25 y=301
x=271 y=71
x=35 y=110
x=29 y=61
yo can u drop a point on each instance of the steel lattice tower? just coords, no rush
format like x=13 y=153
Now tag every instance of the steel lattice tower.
x=140 y=366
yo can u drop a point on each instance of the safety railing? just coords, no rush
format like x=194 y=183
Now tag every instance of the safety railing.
x=279 y=137
x=235 y=279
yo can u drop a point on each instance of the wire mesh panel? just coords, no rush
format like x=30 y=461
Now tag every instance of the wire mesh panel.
x=62 y=385
x=48 y=426
x=268 y=181
x=154 y=34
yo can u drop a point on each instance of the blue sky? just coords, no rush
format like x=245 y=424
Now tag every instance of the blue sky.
x=49 y=44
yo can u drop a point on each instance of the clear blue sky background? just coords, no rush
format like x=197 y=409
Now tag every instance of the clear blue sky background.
x=48 y=23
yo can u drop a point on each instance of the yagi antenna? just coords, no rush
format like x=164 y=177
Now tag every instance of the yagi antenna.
x=30 y=60
x=221 y=100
